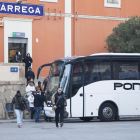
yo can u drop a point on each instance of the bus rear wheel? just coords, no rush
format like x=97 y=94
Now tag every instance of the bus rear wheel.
x=107 y=112
x=86 y=119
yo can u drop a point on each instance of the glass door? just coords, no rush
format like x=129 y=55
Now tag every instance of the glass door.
x=16 y=47
x=77 y=92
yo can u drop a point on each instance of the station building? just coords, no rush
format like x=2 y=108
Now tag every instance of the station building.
x=52 y=29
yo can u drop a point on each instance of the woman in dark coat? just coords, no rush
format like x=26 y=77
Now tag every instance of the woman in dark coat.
x=28 y=61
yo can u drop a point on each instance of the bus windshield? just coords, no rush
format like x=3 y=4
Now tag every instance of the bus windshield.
x=64 y=83
x=55 y=81
x=54 y=78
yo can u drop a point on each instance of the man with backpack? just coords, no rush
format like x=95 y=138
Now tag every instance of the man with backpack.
x=59 y=103
x=20 y=105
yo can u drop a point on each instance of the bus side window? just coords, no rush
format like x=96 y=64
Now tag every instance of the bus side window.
x=97 y=71
x=126 y=70
x=77 y=68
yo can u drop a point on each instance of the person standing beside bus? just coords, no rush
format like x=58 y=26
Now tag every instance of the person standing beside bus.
x=45 y=82
x=38 y=104
x=59 y=103
x=39 y=87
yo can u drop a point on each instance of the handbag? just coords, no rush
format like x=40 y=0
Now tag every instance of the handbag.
x=65 y=114
x=22 y=105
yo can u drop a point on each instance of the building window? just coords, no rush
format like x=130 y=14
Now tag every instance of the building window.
x=49 y=0
x=112 y=3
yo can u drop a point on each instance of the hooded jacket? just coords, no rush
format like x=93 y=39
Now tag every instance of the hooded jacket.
x=59 y=100
x=16 y=101
x=29 y=89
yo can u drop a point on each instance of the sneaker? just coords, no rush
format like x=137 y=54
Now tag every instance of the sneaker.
x=19 y=126
x=61 y=124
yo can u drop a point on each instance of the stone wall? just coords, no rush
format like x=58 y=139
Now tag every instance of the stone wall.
x=10 y=82
x=8 y=91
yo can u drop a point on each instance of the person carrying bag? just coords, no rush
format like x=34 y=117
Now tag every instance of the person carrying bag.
x=20 y=106
x=59 y=103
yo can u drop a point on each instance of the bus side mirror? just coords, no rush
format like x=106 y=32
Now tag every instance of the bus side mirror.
x=62 y=71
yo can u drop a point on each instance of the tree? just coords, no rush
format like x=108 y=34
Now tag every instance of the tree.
x=125 y=38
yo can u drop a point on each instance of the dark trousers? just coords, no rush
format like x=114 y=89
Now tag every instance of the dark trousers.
x=32 y=112
x=37 y=113
x=59 y=110
x=26 y=69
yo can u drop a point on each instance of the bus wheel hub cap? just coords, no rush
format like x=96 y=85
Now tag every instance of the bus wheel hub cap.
x=107 y=112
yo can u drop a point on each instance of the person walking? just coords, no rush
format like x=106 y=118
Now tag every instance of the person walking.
x=30 y=75
x=28 y=61
x=20 y=104
x=59 y=103
x=31 y=103
x=38 y=104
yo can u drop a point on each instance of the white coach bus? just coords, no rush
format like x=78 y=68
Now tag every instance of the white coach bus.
x=105 y=85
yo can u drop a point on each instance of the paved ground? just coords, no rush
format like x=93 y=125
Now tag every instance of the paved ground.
x=72 y=130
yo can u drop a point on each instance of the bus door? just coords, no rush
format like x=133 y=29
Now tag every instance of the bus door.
x=77 y=92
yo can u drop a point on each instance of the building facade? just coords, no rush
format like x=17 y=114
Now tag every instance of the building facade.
x=52 y=29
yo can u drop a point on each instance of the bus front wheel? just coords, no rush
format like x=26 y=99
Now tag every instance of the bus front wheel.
x=107 y=112
x=86 y=119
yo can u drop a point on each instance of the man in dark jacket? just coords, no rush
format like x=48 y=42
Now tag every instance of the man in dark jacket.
x=18 y=100
x=38 y=104
x=59 y=103
x=30 y=75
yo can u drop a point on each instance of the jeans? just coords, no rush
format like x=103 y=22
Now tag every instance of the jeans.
x=32 y=112
x=59 y=110
x=19 y=115
x=37 y=113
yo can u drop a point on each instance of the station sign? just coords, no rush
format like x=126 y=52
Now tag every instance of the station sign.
x=18 y=34
x=14 y=69
x=21 y=9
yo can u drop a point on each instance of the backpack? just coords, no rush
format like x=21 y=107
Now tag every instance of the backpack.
x=21 y=104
